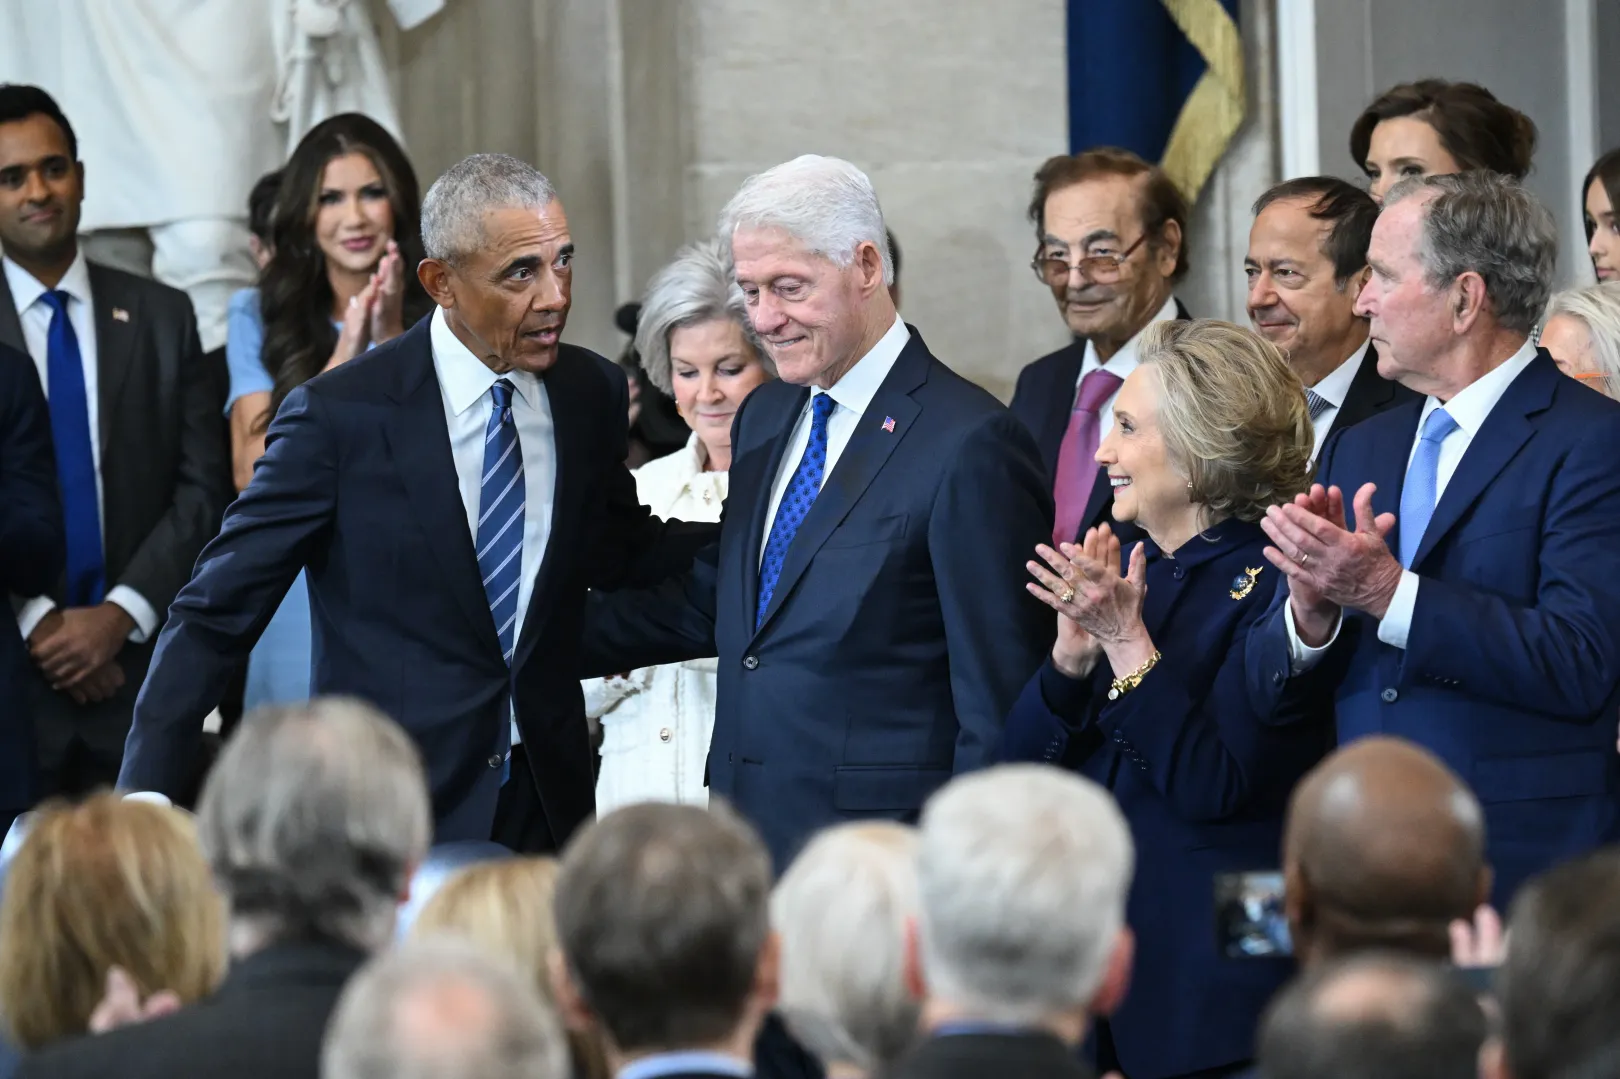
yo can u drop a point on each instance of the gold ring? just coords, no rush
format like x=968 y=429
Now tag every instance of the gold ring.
x=1303 y=558
x=1067 y=596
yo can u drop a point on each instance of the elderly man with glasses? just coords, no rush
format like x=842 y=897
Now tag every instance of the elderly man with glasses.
x=1111 y=231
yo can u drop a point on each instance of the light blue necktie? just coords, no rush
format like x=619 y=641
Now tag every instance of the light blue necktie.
x=796 y=501
x=500 y=527
x=75 y=458
x=1422 y=486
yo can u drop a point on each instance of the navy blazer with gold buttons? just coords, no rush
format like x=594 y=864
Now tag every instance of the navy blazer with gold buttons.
x=1203 y=780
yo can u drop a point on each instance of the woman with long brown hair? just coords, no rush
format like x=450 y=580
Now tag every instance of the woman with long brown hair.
x=345 y=242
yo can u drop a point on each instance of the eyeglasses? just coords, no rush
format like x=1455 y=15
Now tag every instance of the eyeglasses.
x=1097 y=269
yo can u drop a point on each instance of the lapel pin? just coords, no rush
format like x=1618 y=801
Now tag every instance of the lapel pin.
x=888 y=424
x=1243 y=583
x=120 y=315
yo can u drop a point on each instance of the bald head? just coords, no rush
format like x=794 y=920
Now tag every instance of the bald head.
x=1384 y=847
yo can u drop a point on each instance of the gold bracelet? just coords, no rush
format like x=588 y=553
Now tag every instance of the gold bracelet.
x=1124 y=685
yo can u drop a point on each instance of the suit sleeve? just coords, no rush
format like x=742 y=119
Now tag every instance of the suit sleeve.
x=270 y=533
x=202 y=487
x=1560 y=657
x=31 y=537
x=993 y=508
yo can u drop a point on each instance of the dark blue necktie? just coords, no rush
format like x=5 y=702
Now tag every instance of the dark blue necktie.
x=796 y=501
x=75 y=457
x=500 y=527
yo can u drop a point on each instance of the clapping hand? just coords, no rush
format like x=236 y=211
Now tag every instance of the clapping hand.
x=121 y=1004
x=355 y=336
x=387 y=309
x=1330 y=566
x=1101 y=610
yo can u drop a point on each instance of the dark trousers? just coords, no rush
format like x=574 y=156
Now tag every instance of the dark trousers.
x=520 y=819
x=1108 y=1059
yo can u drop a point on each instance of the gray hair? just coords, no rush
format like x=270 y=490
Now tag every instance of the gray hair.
x=696 y=286
x=1491 y=225
x=1023 y=871
x=439 y=1008
x=825 y=203
x=662 y=914
x=841 y=911
x=312 y=819
x=1597 y=307
x=454 y=208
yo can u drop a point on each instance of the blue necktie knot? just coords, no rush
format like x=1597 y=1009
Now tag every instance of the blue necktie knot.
x=501 y=393
x=1421 y=490
x=797 y=499
x=56 y=300
x=1438 y=426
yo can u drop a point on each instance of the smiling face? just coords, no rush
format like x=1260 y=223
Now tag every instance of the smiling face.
x=1103 y=216
x=41 y=189
x=1148 y=488
x=713 y=368
x=1295 y=301
x=1401 y=147
x=1604 y=245
x=353 y=218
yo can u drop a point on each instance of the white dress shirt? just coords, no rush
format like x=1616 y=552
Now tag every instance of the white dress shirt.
x=464 y=385
x=1470 y=407
x=850 y=395
x=1334 y=389
x=35 y=315
x=1121 y=363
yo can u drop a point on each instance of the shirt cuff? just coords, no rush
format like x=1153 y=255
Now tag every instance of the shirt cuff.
x=1301 y=656
x=1396 y=624
x=135 y=605
x=33 y=613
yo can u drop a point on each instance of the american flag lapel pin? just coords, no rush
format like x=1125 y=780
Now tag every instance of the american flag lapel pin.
x=120 y=315
x=888 y=424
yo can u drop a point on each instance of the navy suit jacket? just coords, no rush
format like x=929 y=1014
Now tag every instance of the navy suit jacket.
x=1043 y=399
x=32 y=551
x=899 y=631
x=1202 y=778
x=1510 y=669
x=358 y=485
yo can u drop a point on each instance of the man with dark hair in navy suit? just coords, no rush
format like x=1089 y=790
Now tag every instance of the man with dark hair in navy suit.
x=1469 y=602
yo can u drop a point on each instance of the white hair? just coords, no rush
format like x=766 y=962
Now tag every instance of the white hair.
x=1597 y=307
x=696 y=286
x=825 y=203
x=453 y=209
x=841 y=911
x=1023 y=871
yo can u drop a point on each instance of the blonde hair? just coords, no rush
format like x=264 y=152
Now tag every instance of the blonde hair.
x=505 y=909
x=101 y=884
x=1597 y=307
x=1232 y=414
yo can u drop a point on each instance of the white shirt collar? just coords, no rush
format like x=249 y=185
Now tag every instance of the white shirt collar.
x=466 y=379
x=26 y=289
x=860 y=383
x=1473 y=403
x=1336 y=386
x=1123 y=362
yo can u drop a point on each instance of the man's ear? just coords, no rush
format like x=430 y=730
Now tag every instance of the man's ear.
x=1469 y=299
x=916 y=983
x=1117 y=977
x=1357 y=281
x=435 y=277
x=869 y=260
x=1168 y=249
x=576 y=1014
x=768 y=972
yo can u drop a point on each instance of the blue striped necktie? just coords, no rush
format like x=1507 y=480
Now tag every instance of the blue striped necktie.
x=75 y=456
x=796 y=501
x=500 y=516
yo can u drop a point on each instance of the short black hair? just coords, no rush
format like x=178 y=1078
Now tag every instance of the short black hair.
x=1350 y=209
x=261 y=204
x=19 y=101
x=1411 y=1020
x=1559 y=986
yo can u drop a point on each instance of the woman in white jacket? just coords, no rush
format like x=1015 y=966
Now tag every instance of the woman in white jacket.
x=696 y=343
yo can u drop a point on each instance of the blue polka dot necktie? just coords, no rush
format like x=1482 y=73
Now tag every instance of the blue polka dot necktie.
x=796 y=502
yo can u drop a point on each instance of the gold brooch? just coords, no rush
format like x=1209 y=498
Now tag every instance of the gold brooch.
x=1243 y=583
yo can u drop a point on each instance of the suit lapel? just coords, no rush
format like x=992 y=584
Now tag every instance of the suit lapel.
x=419 y=444
x=10 y=325
x=568 y=397
x=757 y=472
x=115 y=344
x=1058 y=405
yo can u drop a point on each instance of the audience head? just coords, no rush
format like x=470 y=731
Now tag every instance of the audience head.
x=1582 y=334
x=500 y=260
x=41 y=182
x=1373 y=1017
x=1306 y=264
x=1211 y=424
x=1433 y=127
x=842 y=911
x=662 y=914
x=261 y=217
x=313 y=818
x=1600 y=199
x=1023 y=872
x=1559 y=987
x=1111 y=236
x=696 y=343
x=1462 y=266
x=812 y=257
x=102 y=884
x=442 y=1009
x=1383 y=848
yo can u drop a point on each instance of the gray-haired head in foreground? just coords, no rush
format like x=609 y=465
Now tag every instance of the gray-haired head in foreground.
x=454 y=208
x=1023 y=871
x=825 y=203
x=312 y=820
x=1493 y=226
x=1597 y=307
x=1373 y=1016
x=439 y=1008
x=696 y=286
x=841 y=911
